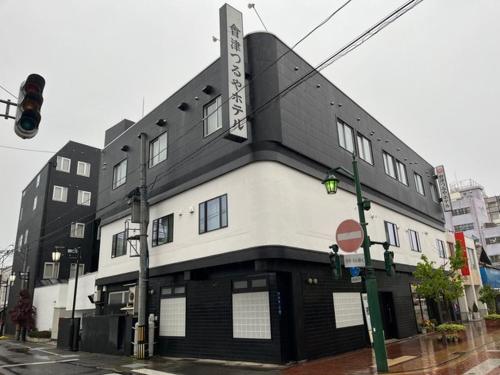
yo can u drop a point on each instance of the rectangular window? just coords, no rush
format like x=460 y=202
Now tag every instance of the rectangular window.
x=35 y=201
x=464 y=227
x=83 y=198
x=21 y=214
x=414 y=241
x=389 y=165
x=492 y=240
x=26 y=236
x=118 y=298
x=120 y=173
x=419 y=184
x=20 y=242
x=63 y=164
x=119 y=246
x=451 y=248
x=72 y=270
x=348 y=310
x=37 y=180
x=472 y=258
x=158 y=150
x=50 y=270
x=60 y=194
x=365 y=149
x=434 y=192
x=77 y=230
x=83 y=169
x=173 y=317
x=401 y=171
x=461 y=211
x=251 y=316
x=213 y=214
x=346 y=139
x=163 y=230
x=441 y=249
x=212 y=117
x=391 y=232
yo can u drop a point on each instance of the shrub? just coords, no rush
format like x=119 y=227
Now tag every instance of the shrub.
x=492 y=317
x=40 y=334
x=449 y=328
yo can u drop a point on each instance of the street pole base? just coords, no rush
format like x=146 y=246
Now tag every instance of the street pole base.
x=140 y=349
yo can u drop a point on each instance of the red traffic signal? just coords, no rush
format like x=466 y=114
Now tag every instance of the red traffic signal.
x=28 y=107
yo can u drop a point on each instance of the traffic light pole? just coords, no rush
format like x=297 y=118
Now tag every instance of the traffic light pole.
x=371 y=281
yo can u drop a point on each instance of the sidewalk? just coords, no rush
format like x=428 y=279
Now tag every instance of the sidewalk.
x=477 y=353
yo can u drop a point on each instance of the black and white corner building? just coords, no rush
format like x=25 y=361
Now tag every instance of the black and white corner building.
x=239 y=231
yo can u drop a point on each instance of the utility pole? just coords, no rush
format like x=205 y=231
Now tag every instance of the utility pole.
x=74 y=331
x=141 y=329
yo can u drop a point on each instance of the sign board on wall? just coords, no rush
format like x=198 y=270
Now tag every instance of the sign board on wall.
x=460 y=237
x=234 y=111
x=354 y=260
x=443 y=188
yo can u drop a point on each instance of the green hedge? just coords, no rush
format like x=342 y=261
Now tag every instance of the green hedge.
x=492 y=317
x=40 y=334
x=450 y=328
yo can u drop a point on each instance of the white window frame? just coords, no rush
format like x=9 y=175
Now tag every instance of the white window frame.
x=76 y=228
x=211 y=110
x=86 y=169
x=72 y=268
x=20 y=242
x=346 y=141
x=157 y=154
x=401 y=172
x=21 y=214
x=38 y=180
x=84 y=198
x=414 y=240
x=391 y=228
x=173 y=317
x=365 y=148
x=472 y=258
x=26 y=232
x=122 y=178
x=255 y=321
x=60 y=194
x=55 y=270
x=419 y=183
x=35 y=202
x=389 y=165
x=60 y=166
x=441 y=249
x=348 y=310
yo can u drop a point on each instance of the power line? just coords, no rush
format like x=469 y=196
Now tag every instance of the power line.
x=252 y=5
x=7 y=91
x=26 y=149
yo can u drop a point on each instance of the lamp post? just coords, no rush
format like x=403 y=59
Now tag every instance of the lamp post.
x=56 y=256
x=331 y=184
x=9 y=282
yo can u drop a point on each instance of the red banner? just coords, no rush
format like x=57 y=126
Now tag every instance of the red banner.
x=459 y=236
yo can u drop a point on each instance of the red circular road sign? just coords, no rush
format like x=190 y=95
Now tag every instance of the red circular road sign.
x=349 y=235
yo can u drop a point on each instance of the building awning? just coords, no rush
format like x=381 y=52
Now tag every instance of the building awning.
x=490 y=276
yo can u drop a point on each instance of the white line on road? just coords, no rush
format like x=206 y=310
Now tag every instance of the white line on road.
x=484 y=367
x=39 y=363
x=147 y=371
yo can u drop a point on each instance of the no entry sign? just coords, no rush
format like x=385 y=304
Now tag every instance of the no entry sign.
x=349 y=235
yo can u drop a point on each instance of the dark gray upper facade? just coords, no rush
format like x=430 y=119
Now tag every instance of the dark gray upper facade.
x=297 y=128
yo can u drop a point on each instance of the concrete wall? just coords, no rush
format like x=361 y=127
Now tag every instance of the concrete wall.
x=47 y=300
x=85 y=288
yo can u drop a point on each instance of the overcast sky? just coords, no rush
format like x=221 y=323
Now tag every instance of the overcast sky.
x=432 y=77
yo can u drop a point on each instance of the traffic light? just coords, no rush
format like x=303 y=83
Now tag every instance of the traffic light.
x=335 y=263
x=389 y=262
x=28 y=107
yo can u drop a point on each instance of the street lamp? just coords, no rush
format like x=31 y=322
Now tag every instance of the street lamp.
x=331 y=183
x=56 y=256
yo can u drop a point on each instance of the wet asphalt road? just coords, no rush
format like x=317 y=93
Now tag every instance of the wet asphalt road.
x=44 y=359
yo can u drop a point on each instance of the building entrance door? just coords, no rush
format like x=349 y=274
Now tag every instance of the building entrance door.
x=388 y=315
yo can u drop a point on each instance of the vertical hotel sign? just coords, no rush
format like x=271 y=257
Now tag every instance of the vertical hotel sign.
x=460 y=238
x=232 y=51
x=443 y=188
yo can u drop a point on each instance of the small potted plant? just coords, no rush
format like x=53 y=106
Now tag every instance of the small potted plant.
x=492 y=321
x=450 y=332
x=427 y=326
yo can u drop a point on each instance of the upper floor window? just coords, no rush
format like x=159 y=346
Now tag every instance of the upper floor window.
x=389 y=165
x=441 y=249
x=83 y=198
x=72 y=270
x=163 y=230
x=212 y=116
x=213 y=214
x=26 y=236
x=419 y=184
x=50 y=270
x=120 y=173
x=434 y=192
x=83 y=169
x=24 y=193
x=346 y=139
x=20 y=242
x=472 y=257
x=35 y=201
x=391 y=232
x=77 y=230
x=158 y=150
x=414 y=240
x=401 y=171
x=21 y=214
x=464 y=227
x=63 y=164
x=119 y=246
x=460 y=211
x=365 y=149
x=37 y=180
x=60 y=194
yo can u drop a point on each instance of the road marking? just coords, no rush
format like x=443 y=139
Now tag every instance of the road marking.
x=484 y=367
x=147 y=371
x=39 y=363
